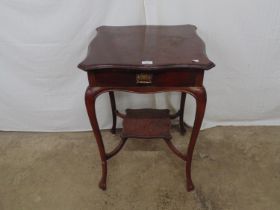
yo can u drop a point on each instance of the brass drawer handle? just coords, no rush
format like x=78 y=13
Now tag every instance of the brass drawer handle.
x=143 y=78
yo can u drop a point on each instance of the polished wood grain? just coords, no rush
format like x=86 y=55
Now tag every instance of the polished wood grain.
x=172 y=78
x=126 y=47
x=146 y=123
x=146 y=59
x=199 y=93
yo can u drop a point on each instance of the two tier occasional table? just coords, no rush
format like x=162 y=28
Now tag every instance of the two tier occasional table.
x=146 y=59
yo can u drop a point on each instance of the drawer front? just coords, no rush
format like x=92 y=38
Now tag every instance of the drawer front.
x=159 y=79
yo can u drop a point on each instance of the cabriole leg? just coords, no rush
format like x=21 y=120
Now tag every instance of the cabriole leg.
x=200 y=96
x=90 y=99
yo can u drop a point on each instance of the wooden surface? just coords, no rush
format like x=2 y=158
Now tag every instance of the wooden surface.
x=174 y=61
x=171 y=78
x=126 y=47
x=146 y=123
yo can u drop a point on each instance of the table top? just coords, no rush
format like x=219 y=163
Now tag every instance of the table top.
x=146 y=48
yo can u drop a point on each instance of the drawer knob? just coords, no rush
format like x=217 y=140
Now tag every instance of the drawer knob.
x=143 y=78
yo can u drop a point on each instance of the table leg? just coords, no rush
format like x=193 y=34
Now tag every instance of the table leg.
x=181 y=117
x=90 y=98
x=199 y=93
x=113 y=106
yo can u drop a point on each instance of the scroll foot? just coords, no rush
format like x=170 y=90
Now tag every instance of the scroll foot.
x=102 y=183
x=190 y=186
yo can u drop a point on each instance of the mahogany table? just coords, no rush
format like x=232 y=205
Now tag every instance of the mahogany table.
x=146 y=59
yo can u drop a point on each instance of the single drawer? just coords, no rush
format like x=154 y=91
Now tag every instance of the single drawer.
x=146 y=78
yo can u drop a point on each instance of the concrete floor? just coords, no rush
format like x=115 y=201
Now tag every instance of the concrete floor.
x=234 y=168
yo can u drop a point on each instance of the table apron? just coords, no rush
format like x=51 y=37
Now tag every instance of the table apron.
x=146 y=79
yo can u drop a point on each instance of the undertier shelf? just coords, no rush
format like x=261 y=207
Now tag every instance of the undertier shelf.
x=146 y=123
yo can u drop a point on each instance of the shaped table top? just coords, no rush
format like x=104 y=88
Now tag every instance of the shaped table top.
x=146 y=48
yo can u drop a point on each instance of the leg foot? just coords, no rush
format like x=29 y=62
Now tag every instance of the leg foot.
x=183 y=130
x=103 y=180
x=113 y=131
x=190 y=186
x=102 y=184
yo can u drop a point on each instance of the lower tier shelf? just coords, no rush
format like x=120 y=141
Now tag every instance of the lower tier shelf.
x=146 y=123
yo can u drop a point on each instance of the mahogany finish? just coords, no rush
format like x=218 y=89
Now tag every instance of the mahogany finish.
x=125 y=47
x=146 y=123
x=165 y=78
x=146 y=59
